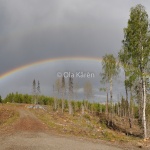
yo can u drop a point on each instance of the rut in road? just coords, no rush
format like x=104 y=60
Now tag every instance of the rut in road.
x=29 y=122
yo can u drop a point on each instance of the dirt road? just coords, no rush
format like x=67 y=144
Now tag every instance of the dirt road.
x=29 y=133
x=42 y=141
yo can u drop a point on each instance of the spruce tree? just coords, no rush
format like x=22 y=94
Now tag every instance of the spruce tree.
x=70 y=94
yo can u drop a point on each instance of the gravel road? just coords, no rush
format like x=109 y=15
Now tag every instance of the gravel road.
x=42 y=141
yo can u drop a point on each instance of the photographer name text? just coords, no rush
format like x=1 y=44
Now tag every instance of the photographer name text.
x=79 y=74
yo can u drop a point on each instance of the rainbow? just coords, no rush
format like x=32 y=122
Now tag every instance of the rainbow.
x=9 y=73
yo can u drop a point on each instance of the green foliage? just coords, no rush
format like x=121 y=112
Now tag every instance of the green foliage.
x=0 y=99
x=25 y=98
x=73 y=105
x=110 y=70
x=45 y=100
x=18 y=98
x=135 y=52
x=110 y=67
x=137 y=40
x=66 y=104
x=135 y=55
x=79 y=103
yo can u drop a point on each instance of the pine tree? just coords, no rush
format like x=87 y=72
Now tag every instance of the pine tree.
x=38 y=91
x=63 y=91
x=34 y=92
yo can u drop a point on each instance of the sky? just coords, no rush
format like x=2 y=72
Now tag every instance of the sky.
x=35 y=30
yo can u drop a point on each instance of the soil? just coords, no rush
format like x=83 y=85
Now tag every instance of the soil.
x=30 y=133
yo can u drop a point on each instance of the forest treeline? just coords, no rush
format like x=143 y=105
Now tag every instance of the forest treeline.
x=94 y=108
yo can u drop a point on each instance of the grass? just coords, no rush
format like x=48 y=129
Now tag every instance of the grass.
x=80 y=125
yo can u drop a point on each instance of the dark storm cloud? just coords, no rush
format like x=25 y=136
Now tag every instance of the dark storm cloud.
x=35 y=29
x=31 y=30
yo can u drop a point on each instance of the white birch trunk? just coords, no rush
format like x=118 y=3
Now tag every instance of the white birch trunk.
x=111 y=96
x=144 y=110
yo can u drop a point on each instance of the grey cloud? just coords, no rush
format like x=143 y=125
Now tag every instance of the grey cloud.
x=31 y=30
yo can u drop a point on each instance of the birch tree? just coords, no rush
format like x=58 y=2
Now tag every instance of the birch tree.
x=137 y=43
x=110 y=69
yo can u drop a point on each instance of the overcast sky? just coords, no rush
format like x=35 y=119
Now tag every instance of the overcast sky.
x=32 y=30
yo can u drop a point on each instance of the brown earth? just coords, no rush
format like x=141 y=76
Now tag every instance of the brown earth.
x=30 y=133
x=29 y=122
